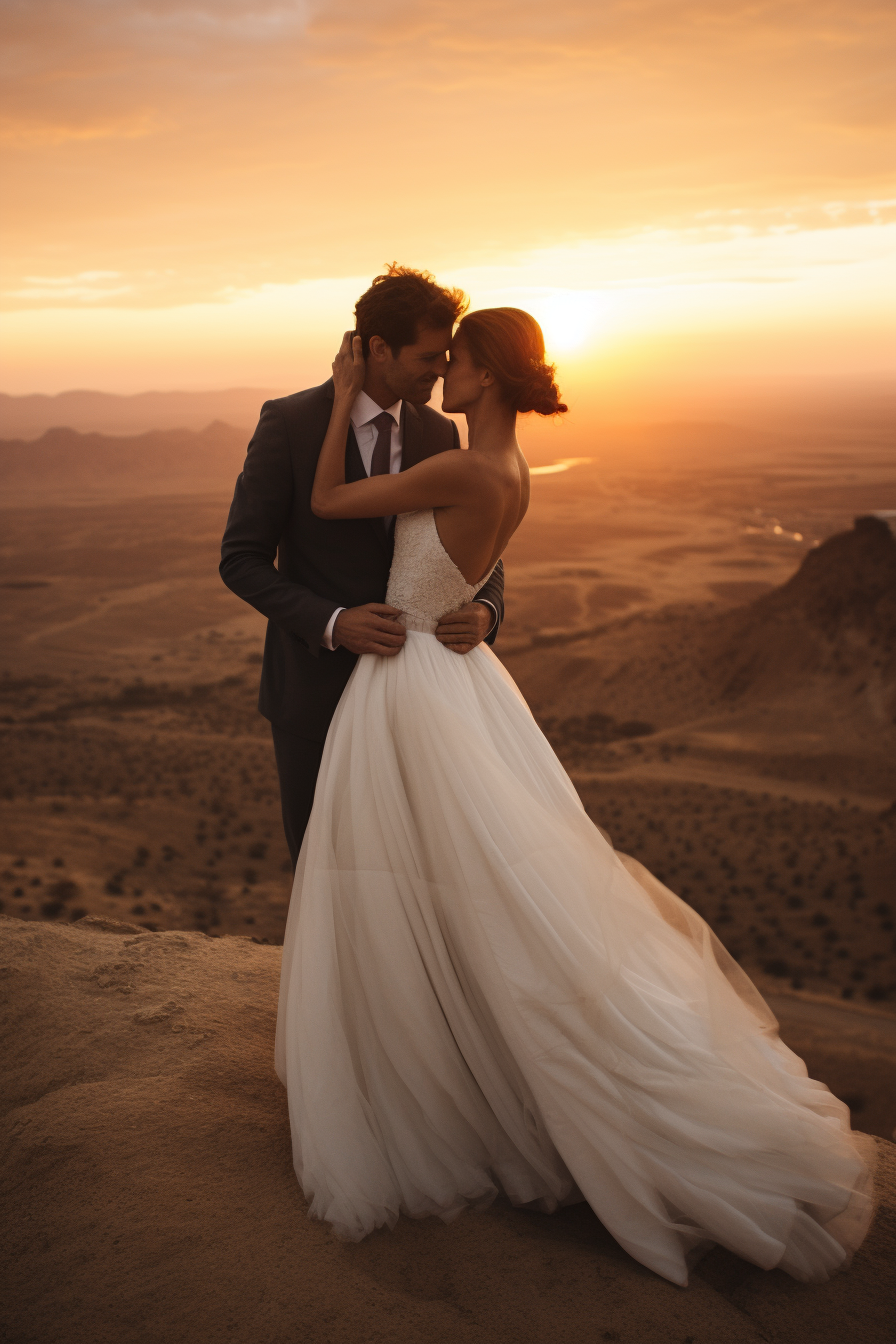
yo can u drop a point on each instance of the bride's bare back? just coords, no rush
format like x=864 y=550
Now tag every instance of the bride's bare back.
x=476 y=530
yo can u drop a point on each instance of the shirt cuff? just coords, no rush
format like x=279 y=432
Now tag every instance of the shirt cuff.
x=494 y=610
x=326 y=641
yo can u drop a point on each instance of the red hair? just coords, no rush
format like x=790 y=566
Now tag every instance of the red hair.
x=509 y=343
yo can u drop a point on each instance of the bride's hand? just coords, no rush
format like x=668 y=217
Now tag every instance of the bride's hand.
x=349 y=368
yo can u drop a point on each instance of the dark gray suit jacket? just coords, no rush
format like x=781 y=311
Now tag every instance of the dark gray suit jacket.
x=322 y=564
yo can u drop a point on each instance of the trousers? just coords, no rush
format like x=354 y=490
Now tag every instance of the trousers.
x=298 y=762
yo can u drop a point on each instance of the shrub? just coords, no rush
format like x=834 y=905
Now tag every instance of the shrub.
x=64 y=890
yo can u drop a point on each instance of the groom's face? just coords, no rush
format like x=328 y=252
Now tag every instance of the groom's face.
x=413 y=372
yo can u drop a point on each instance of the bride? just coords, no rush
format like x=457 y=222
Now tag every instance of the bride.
x=478 y=994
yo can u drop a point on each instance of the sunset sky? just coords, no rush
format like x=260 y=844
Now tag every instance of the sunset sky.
x=196 y=192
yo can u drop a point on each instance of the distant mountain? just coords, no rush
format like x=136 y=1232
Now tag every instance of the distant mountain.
x=106 y=413
x=63 y=466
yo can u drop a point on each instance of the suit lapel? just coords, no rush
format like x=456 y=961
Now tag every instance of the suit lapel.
x=354 y=471
x=414 y=448
x=354 y=465
x=413 y=444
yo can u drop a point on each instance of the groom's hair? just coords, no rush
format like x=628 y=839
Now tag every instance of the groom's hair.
x=401 y=303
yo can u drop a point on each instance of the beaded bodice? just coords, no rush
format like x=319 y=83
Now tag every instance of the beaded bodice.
x=424 y=582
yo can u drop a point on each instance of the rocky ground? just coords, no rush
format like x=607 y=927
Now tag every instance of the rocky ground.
x=150 y=1196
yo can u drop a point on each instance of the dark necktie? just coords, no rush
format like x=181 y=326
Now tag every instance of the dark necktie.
x=382 y=452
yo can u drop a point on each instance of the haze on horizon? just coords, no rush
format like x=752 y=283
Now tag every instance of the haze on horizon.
x=197 y=190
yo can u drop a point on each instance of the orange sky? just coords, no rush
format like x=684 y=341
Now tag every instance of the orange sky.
x=195 y=192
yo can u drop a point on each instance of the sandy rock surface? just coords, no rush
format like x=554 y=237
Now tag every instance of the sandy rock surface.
x=150 y=1194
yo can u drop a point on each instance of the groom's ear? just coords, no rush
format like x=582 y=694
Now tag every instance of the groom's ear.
x=379 y=349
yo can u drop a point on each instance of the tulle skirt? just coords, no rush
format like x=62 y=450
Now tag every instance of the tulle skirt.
x=480 y=995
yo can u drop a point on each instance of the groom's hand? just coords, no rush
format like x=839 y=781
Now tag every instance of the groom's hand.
x=369 y=629
x=462 y=630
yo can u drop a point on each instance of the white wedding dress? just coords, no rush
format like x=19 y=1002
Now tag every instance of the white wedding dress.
x=479 y=995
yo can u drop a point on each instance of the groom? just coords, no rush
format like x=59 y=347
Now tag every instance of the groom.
x=324 y=597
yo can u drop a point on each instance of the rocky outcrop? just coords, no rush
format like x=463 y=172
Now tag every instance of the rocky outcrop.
x=822 y=645
x=835 y=618
x=848 y=582
x=150 y=1196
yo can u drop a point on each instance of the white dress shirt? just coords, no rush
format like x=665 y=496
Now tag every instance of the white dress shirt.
x=364 y=412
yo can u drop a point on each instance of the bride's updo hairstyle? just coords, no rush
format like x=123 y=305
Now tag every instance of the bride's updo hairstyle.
x=509 y=343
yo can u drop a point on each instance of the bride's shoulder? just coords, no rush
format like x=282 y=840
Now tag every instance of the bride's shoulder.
x=450 y=462
x=477 y=474
x=460 y=466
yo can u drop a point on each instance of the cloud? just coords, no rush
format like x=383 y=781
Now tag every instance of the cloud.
x=829 y=57
x=30 y=132
x=197 y=146
x=86 y=287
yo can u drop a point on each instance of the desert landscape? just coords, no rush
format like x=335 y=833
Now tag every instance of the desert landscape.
x=697 y=624
x=702 y=628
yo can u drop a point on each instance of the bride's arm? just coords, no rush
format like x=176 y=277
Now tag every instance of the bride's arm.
x=443 y=479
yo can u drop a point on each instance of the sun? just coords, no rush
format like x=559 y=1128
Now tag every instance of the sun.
x=568 y=317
